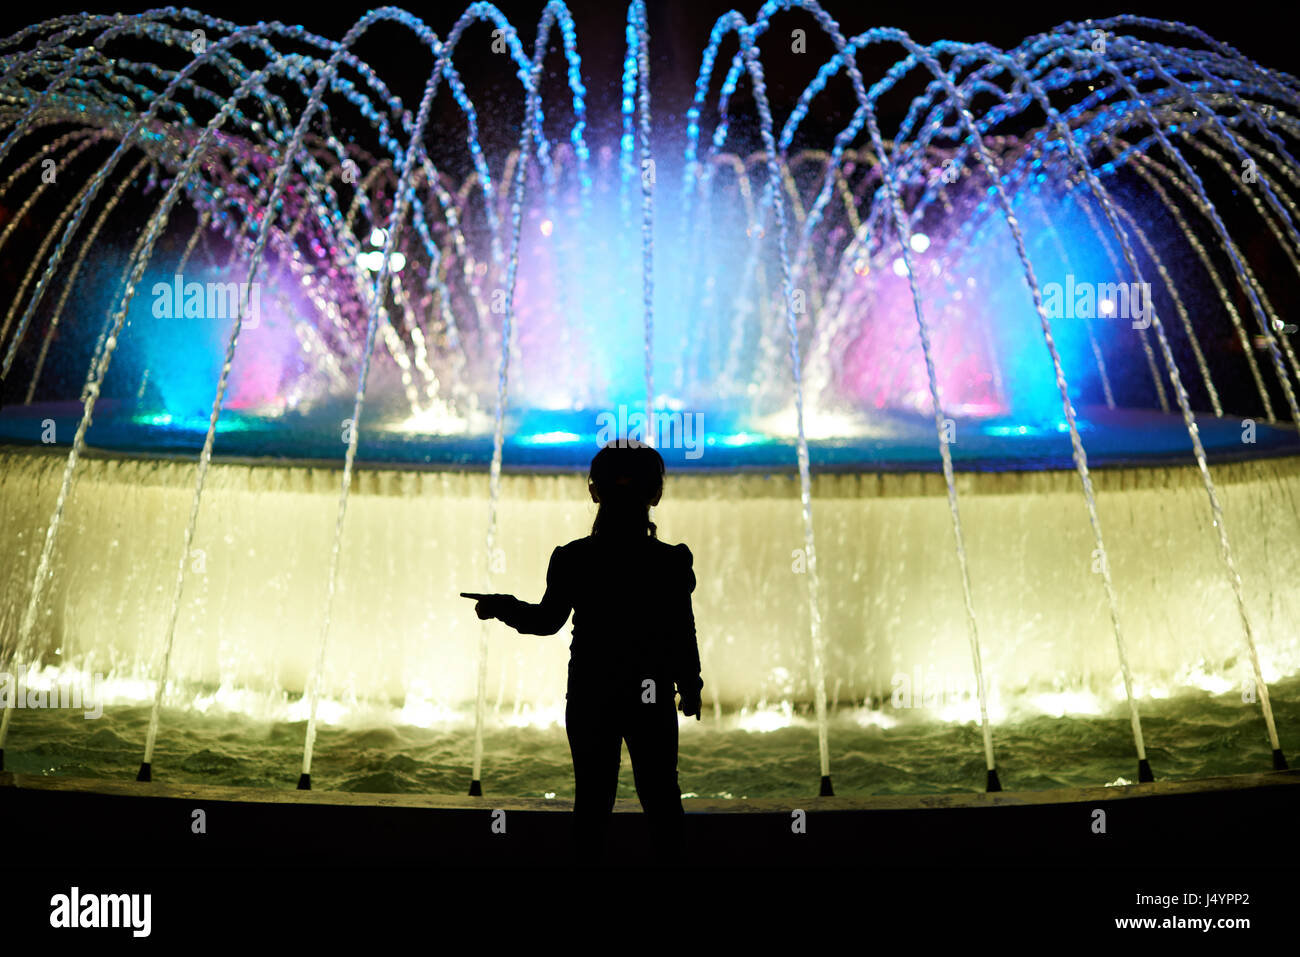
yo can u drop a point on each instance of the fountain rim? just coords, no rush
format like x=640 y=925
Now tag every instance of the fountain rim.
x=775 y=481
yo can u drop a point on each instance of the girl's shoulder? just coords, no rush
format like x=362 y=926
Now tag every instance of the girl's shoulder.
x=586 y=556
x=680 y=551
x=679 y=554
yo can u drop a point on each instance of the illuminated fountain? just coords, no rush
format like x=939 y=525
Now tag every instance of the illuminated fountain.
x=334 y=380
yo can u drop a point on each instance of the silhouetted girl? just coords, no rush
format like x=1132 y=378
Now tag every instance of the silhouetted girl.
x=633 y=641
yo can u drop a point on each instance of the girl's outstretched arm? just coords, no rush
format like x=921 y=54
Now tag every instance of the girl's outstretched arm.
x=544 y=618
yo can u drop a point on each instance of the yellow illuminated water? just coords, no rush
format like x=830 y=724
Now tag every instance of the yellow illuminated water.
x=400 y=670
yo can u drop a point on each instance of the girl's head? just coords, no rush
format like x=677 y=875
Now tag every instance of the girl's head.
x=626 y=479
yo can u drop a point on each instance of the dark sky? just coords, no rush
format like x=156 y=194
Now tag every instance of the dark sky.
x=680 y=28
x=679 y=31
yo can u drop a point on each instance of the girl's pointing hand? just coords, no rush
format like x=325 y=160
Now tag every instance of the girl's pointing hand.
x=488 y=606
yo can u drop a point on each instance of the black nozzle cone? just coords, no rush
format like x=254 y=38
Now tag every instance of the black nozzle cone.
x=146 y=772
x=993 y=783
x=827 y=790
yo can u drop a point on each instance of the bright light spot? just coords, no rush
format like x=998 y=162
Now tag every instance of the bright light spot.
x=920 y=242
x=900 y=267
x=373 y=261
x=328 y=711
x=436 y=420
x=874 y=719
x=1215 y=684
x=421 y=713
x=547 y=227
x=962 y=712
x=549 y=795
x=820 y=425
x=378 y=237
x=861 y=266
x=763 y=721
x=1106 y=307
x=967 y=711
x=550 y=438
x=230 y=700
x=83 y=689
x=978 y=409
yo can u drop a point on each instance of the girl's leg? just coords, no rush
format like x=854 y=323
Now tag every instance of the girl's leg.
x=651 y=733
x=596 y=744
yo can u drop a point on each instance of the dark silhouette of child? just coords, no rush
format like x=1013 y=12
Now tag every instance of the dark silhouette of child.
x=633 y=641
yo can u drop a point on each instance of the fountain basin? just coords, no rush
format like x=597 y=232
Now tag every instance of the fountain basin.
x=251 y=613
